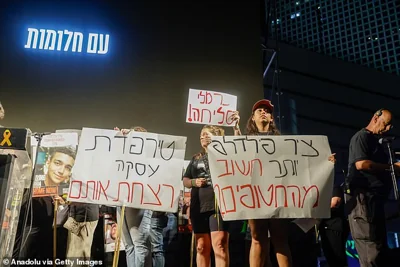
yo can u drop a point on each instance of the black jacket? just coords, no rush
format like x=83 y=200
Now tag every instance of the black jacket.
x=83 y=212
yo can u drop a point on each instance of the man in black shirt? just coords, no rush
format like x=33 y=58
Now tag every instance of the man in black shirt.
x=369 y=183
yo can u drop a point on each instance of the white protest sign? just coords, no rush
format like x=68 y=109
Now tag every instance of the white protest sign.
x=140 y=170
x=208 y=107
x=257 y=177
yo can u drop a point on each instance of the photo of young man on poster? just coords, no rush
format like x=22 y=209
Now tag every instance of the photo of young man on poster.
x=54 y=172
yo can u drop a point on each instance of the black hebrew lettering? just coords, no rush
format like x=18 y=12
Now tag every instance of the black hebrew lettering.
x=154 y=171
x=120 y=163
x=243 y=143
x=217 y=145
x=279 y=165
x=95 y=142
x=124 y=138
x=283 y=171
x=283 y=174
x=311 y=146
x=129 y=168
x=293 y=164
x=155 y=145
x=143 y=168
x=169 y=146
x=140 y=150
x=255 y=142
x=140 y=168
x=271 y=143
x=230 y=142
x=295 y=141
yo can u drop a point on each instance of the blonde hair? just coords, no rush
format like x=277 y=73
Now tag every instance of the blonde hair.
x=138 y=129
x=215 y=130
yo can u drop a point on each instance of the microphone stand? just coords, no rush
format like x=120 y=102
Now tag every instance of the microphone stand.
x=392 y=172
x=395 y=188
x=39 y=137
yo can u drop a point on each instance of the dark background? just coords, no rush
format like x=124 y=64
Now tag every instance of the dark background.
x=158 y=50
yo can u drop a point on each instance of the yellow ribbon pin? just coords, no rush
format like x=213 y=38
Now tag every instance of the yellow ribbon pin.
x=6 y=136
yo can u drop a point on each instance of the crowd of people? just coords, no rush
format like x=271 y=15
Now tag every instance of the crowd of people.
x=367 y=187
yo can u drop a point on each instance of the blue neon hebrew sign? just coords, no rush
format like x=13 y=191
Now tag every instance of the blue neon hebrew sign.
x=67 y=41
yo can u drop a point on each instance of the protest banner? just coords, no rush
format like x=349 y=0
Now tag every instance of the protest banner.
x=257 y=177
x=56 y=158
x=208 y=107
x=140 y=170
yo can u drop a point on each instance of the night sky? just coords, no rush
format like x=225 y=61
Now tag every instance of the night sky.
x=157 y=51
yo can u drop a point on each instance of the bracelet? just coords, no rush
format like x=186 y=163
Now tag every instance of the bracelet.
x=194 y=180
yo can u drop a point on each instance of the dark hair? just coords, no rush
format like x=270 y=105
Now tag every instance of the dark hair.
x=251 y=127
x=67 y=150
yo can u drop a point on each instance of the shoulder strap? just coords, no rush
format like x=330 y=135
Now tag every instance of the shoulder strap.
x=206 y=165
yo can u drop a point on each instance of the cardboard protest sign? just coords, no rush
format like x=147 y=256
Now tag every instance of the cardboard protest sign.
x=141 y=170
x=258 y=177
x=208 y=107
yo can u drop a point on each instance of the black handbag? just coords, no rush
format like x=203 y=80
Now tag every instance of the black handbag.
x=62 y=215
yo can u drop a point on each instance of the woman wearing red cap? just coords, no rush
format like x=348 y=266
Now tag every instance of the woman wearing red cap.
x=261 y=122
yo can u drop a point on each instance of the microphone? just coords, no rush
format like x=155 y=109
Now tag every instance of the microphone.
x=385 y=140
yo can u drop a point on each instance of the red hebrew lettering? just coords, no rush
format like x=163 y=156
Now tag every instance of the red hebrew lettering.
x=271 y=190
x=306 y=193
x=253 y=205
x=219 y=199
x=207 y=97
x=276 y=196
x=195 y=111
x=222 y=99
x=226 y=168
x=104 y=189
x=173 y=193
x=259 y=163
x=133 y=191
x=258 y=198
x=219 y=111
x=244 y=168
x=233 y=167
x=119 y=189
x=80 y=189
x=232 y=196
x=94 y=189
x=294 y=195
x=156 y=195
x=202 y=115
x=229 y=117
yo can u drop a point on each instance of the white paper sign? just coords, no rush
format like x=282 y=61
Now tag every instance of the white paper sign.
x=258 y=177
x=54 y=140
x=140 y=170
x=208 y=107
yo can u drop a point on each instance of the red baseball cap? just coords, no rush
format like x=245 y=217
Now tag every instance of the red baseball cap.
x=263 y=102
